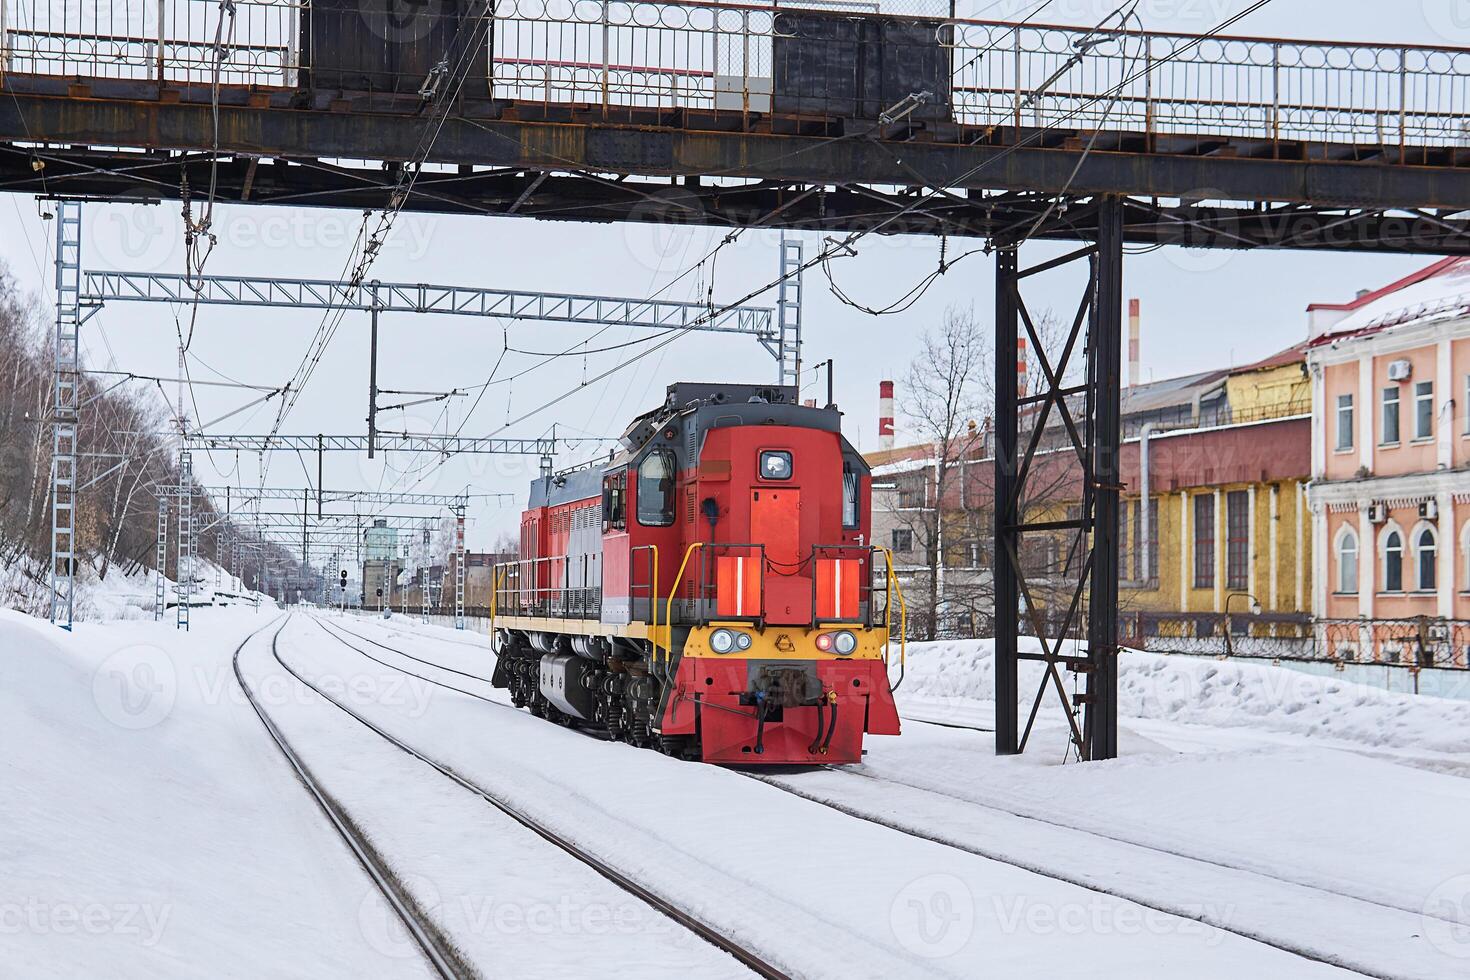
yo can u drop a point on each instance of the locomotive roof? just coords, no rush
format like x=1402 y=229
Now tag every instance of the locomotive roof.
x=699 y=407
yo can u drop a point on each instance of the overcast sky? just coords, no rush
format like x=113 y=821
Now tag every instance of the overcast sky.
x=1200 y=310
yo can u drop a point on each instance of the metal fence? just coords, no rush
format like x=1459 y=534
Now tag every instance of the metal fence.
x=168 y=40
x=1421 y=642
x=802 y=58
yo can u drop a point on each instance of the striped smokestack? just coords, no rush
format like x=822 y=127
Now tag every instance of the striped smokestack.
x=1133 y=327
x=885 y=415
x=1021 y=391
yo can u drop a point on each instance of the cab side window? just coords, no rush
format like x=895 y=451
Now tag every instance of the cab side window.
x=656 y=489
x=614 y=516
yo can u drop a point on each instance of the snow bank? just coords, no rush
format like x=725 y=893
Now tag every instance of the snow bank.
x=148 y=827
x=1222 y=694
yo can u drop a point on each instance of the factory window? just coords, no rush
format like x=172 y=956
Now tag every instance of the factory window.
x=1426 y=554
x=1347 y=561
x=656 y=489
x=1390 y=434
x=903 y=540
x=1204 y=541
x=911 y=487
x=1344 y=423
x=850 y=482
x=1237 y=539
x=1393 y=562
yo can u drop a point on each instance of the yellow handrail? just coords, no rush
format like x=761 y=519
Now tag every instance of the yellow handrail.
x=496 y=578
x=678 y=577
x=903 y=618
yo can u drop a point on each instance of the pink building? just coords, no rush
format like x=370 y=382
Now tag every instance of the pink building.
x=1390 y=491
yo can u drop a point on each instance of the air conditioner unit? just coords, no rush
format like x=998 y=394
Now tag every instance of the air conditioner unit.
x=1429 y=510
x=1377 y=513
x=1400 y=370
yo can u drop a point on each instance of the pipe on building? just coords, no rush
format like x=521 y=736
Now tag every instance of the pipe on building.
x=885 y=414
x=1146 y=565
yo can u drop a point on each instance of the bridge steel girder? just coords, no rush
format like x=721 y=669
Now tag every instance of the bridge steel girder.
x=805 y=181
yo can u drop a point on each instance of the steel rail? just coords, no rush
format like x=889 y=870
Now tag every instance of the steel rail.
x=426 y=938
x=706 y=932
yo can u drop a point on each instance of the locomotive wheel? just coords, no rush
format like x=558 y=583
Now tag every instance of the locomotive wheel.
x=675 y=746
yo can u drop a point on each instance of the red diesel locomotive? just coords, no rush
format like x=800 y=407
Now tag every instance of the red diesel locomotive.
x=710 y=590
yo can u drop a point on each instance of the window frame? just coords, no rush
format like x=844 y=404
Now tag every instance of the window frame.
x=852 y=481
x=1385 y=403
x=1397 y=551
x=760 y=465
x=907 y=536
x=1204 y=541
x=1420 y=552
x=669 y=510
x=1423 y=394
x=1237 y=540
x=1345 y=437
x=1345 y=546
x=615 y=487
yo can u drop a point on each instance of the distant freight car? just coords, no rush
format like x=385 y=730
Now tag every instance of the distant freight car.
x=711 y=590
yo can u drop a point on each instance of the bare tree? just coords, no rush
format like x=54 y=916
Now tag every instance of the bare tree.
x=942 y=406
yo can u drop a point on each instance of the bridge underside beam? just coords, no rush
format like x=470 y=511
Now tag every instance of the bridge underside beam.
x=1333 y=198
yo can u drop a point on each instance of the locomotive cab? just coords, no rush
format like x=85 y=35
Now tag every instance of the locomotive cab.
x=741 y=613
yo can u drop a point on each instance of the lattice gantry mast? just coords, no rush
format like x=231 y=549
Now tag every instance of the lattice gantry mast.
x=186 y=538
x=65 y=411
x=788 y=314
x=459 y=510
x=160 y=581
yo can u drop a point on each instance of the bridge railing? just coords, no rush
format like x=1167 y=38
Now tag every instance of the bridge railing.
x=821 y=60
x=179 y=41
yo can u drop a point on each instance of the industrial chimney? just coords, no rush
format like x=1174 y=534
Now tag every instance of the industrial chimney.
x=1133 y=358
x=1021 y=391
x=885 y=415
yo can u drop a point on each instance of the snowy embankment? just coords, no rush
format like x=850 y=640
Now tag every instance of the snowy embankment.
x=148 y=827
x=960 y=676
x=124 y=594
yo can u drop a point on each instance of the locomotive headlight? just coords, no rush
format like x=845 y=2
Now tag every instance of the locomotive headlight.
x=841 y=642
x=742 y=640
x=722 y=641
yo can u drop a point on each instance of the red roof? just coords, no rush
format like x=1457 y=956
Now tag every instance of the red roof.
x=1409 y=280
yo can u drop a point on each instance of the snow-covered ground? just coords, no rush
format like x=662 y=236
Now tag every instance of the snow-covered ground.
x=1254 y=825
x=125 y=593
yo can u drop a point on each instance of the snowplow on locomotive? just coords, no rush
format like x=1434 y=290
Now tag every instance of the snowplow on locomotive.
x=711 y=590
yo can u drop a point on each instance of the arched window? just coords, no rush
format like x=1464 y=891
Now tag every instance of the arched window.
x=1393 y=562
x=1426 y=557
x=1347 y=561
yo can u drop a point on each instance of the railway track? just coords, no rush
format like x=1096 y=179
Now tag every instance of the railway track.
x=775 y=781
x=436 y=949
x=750 y=959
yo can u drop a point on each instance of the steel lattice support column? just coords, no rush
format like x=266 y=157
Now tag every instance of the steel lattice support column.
x=788 y=313
x=160 y=584
x=459 y=567
x=186 y=539
x=65 y=412
x=1076 y=421
x=1104 y=358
